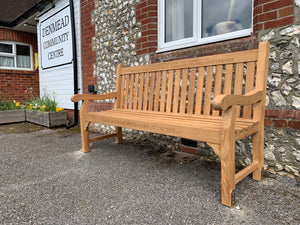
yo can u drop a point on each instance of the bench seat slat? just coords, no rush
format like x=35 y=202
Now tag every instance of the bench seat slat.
x=195 y=123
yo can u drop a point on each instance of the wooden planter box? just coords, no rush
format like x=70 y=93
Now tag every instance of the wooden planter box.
x=12 y=116
x=47 y=119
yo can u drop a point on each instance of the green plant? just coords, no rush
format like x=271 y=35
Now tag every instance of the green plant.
x=10 y=105
x=46 y=103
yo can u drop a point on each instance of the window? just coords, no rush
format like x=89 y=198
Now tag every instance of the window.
x=195 y=22
x=15 y=56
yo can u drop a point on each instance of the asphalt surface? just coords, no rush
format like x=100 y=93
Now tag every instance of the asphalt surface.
x=46 y=179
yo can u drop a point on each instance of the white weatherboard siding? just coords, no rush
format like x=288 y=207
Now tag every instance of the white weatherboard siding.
x=58 y=81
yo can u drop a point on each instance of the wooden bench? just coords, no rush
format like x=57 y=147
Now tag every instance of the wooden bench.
x=175 y=98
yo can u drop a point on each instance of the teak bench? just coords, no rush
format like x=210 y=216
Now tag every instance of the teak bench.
x=175 y=98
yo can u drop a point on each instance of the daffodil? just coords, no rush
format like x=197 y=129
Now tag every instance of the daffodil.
x=59 y=109
x=18 y=104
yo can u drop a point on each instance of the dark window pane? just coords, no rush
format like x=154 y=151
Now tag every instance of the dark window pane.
x=23 y=50
x=220 y=17
x=23 y=56
x=6 y=48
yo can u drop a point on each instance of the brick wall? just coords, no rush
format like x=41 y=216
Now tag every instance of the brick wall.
x=88 y=32
x=272 y=13
x=13 y=83
x=282 y=118
x=146 y=12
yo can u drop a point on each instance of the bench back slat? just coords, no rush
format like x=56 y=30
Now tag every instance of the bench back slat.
x=208 y=90
x=162 y=105
x=238 y=83
x=199 y=94
x=176 y=90
x=191 y=94
x=188 y=86
x=249 y=86
x=218 y=85
x=157 y=92
x=146 y=91
x=183 y=94
x=170 y=91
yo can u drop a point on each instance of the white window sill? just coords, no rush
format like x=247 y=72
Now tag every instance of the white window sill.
x=213 y=39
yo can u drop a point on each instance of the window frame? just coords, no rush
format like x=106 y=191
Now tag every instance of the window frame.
x=14 y=55
x=196 y=40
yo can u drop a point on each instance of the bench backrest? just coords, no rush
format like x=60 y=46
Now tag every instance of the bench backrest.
x=188 y=86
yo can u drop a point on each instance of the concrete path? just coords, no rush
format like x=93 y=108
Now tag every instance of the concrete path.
x=45 y=179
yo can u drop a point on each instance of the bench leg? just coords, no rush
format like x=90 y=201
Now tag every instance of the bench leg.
x=258 y=154
x=227 y=173
x=85 y=138
x=228 y=158
x=119 y=137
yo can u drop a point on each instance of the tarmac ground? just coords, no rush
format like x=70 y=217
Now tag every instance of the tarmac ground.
x=46 y=179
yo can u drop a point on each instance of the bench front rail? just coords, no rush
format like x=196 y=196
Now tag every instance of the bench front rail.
x=216 y=99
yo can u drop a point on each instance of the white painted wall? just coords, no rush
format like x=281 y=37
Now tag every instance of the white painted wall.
x=59 y=80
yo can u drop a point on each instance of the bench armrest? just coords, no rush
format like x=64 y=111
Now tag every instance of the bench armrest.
x=84 y=97
x=223 y=102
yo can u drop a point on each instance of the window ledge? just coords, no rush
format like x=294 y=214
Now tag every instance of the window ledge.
x=209 y=40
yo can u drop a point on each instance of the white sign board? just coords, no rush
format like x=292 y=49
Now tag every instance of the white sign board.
x=56 y=39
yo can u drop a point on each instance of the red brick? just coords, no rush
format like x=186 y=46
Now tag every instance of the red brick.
x=263 y=1
x=188 y=150
x=267 y=16
x=152 y=2
x=142 y=40
x=152 y=14
x=296 y=115
x=141 y=5
x=279 y=123
x=149 y=32
x=279 y=22
x=257 y=10
x=279 y=113
x=277 y=5
x=149 y=20
x=141 y=52
x=268 y=122
x=295 y=124
x=286 y=11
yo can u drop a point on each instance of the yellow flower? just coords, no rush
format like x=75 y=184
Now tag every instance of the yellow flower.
x=44 y=106
x=59 y=109
x=18 y=104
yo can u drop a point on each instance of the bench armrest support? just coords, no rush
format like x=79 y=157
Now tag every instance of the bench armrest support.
x=223 y=102
x=84 y=97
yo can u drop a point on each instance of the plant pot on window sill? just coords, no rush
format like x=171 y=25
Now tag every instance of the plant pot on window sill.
x=47 y=119
x=12 y=116
x=227 y=27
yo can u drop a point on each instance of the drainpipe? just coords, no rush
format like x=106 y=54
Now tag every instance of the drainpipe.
x=75 y=72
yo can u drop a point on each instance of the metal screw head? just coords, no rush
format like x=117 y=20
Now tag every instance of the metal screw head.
x=237 y=207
